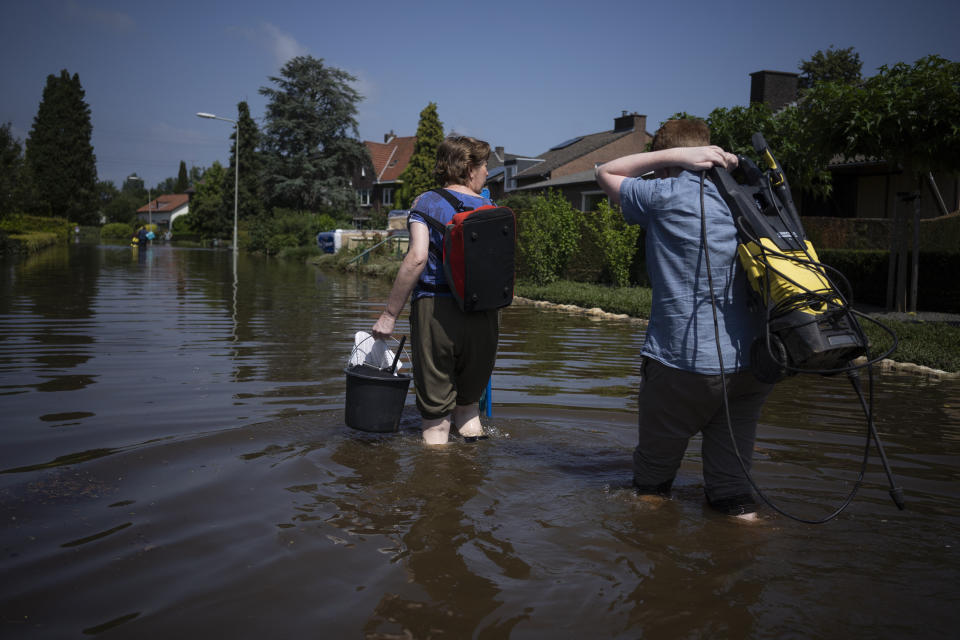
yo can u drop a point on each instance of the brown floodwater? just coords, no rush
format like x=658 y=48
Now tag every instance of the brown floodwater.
x=174 y=463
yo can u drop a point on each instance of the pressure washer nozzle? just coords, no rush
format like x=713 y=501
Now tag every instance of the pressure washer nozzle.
x=897 y=494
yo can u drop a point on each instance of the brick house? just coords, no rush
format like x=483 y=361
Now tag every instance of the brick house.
x=569 y=166
x=376 y=190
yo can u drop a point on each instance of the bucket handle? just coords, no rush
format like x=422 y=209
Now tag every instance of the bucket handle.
x=396 y=358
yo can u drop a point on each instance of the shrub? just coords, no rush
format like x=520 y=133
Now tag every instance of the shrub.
x=116 y=231
x=286 y=228
x=616 y=240
x=549 y=234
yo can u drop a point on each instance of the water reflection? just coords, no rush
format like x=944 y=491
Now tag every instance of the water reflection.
x=173 y=453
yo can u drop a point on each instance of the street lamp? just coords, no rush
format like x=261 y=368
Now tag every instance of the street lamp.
x=137 y=178
x=236 y=169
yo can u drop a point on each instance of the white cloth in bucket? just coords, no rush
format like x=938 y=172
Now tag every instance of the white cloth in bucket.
x=366 y=350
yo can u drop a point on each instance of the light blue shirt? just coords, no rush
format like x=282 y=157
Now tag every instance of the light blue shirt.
x=681 y=331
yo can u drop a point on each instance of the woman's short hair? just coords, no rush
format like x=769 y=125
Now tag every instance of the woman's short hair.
x=457 y=156
x=685 y=132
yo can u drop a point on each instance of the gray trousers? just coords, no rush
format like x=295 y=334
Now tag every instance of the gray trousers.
x=675 y=405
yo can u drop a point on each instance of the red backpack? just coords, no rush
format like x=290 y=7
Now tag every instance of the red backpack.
x=477 y=253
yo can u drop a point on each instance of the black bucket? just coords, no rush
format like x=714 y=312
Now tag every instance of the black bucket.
x=375 y=398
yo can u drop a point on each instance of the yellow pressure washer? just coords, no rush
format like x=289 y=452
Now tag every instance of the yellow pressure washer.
x=810 y=326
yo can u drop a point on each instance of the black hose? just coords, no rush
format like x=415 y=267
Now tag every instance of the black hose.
x=895 y=492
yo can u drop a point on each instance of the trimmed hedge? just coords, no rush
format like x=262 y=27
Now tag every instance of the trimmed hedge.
x=938 y=289
x=22 y=224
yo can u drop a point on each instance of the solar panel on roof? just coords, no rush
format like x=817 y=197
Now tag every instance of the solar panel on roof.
x=566 y=143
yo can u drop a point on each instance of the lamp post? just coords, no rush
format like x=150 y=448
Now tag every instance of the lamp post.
x=236 y=169
x=149 y=197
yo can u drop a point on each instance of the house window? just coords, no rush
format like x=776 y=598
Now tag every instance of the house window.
x=388 y=196
x=363 y=197
x=510 y=182
x=589 y=200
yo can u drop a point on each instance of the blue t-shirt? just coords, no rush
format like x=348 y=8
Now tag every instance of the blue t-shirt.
x=435 y=206
x=681 y=331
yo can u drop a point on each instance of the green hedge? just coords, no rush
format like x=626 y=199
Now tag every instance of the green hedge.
x=938 y=288
x=23 y=224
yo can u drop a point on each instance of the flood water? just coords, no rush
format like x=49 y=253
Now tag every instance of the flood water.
x=174 y=463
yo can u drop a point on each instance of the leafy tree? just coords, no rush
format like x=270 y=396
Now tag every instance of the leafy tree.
x=833 y=65
x=207 y=215
x=794 y=140
x=905 y=114
x=120 y=205
x=59 y=152
x=419 y=175
x=11 y=160
x=183 y=182
x=167 y=185
x=250 y=184
x=310 y=154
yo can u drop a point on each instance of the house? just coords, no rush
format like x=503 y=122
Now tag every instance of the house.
x=569 y=165
x=163 y=210
x=862 y=187
x=502 y=170
x=376 y=190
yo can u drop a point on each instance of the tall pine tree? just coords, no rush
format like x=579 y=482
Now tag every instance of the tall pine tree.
x=59 y=154
x=310 y=153
x=251 y=167
x=419 y=175
x=183 y=183
x=11 y=158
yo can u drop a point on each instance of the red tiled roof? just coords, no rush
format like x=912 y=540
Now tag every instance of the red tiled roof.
x=162 y=204
x=390 y=158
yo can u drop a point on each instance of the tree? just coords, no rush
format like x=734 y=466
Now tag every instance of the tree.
x=60 y=155
x=310 y=154
x=833 y=65
x=115 y=205
x=419 y=175
x=11 y=160
x=250 y=184
x=795 y=142
x=905 y=114
x=183 y=183
x=207 y=213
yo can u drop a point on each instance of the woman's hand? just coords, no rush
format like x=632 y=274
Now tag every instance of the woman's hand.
x=383 y=327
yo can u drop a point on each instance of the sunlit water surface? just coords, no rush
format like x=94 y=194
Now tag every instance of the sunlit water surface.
x=174 y=462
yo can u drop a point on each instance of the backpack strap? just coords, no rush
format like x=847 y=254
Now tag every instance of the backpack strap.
x=454 y=202
x=436 y=225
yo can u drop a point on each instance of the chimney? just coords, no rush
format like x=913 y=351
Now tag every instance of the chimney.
x=630 y=122
x=387 y=137
x=499 y=153
x=776 y=88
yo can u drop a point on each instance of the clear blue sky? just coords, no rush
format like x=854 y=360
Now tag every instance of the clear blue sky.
x=523 y=75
